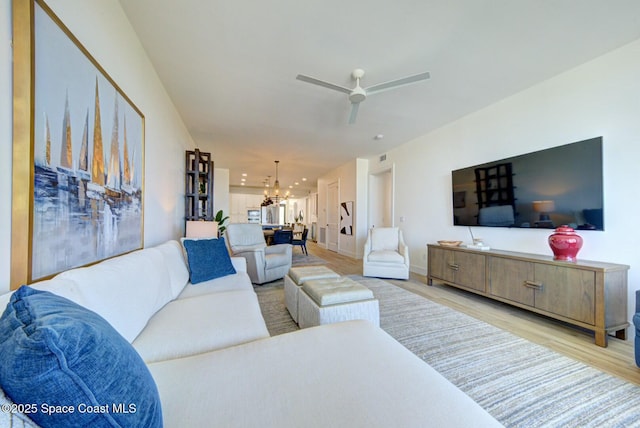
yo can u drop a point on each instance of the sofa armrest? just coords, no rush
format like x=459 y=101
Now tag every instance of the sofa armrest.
x=278 y=248
x=403 y=249
x=255 y=261
x=239 y=264
x=637 y=301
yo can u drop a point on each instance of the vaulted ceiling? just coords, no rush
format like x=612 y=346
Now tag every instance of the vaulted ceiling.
x=230 y=67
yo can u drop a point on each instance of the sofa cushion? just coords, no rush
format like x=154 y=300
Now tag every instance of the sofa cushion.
x=201 y=324
x=62 y=287
x=384 y=238
x=332 y=291
x=236 y=282
x=125 y=290
x=385 y=256
x=54 y=352
x=175 y=262
x=348 y=374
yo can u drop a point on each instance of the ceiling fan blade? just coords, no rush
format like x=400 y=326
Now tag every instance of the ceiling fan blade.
x=323 y=83
x=354 y=113
x=397 y=83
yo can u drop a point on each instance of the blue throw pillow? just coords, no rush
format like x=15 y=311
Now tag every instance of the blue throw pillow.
x=70 y=368
x=208 y=259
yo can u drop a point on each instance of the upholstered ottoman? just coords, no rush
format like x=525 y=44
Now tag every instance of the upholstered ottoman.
x=296 y=277
x=329 y=300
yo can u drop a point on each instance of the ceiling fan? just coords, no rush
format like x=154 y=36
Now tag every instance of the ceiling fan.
x=359 y=94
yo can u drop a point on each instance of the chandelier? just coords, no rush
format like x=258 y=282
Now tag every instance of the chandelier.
x=275 y=197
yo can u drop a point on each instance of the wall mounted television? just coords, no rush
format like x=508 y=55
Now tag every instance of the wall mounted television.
x=543 y=189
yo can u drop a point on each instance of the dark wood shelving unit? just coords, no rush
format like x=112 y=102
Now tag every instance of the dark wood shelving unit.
x=198 y=186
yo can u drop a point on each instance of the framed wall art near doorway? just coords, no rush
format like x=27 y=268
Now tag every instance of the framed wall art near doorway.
x=346 y=218
x=78 y=153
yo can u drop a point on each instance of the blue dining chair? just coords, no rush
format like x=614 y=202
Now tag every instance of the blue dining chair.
x=302 y=242
x=283 y=236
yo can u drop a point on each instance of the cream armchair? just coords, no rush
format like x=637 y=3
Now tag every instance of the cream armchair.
x=264 y=263
x=385 y=254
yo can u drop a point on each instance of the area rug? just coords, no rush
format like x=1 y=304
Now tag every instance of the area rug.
x=299 y=259
x=520 y=383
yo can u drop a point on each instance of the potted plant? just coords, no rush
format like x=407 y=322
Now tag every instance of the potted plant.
x=220 y=218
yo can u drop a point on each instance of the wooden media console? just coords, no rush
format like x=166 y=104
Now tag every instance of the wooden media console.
x=588 y=294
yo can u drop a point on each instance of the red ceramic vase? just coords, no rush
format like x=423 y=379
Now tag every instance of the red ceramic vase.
x=565 y=244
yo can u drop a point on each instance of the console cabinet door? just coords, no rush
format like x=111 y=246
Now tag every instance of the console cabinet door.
x=458 y=267
x=440 y=261
x=511 y=279
x=470 y=270
x=566 y=291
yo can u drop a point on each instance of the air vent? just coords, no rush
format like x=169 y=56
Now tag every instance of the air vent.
x=323 y=235
x=383 y=158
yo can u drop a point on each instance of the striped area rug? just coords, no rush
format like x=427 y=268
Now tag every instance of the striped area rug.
x=520 y=383
x=299 y=259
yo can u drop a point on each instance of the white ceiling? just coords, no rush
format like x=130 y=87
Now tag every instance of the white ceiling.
x=230 y=68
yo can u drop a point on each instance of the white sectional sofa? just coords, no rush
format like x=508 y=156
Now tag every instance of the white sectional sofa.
x=206 y=350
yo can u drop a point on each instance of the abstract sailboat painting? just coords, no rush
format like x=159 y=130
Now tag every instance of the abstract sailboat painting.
x=88 y=190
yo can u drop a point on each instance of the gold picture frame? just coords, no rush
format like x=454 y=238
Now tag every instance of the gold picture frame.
x=77 y=198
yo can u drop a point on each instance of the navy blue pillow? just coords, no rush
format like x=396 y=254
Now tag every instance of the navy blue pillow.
x=54 y=352
x=208 y=259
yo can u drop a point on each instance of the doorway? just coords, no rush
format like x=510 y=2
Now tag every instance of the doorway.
x=381 y=197
x=333 y=215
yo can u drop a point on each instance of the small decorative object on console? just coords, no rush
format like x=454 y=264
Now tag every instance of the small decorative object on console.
x=565 y=244
x=450 y=243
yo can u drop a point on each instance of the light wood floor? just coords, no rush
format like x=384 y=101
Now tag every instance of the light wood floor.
x=616 y=359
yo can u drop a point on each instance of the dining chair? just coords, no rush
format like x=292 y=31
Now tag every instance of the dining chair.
x=282 y=236
x=302 y=241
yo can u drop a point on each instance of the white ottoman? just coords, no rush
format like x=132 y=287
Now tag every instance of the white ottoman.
x=296 y=277
x=330 y=300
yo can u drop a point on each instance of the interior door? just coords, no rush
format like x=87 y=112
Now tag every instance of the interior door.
x=333 y=216
x=381 y=199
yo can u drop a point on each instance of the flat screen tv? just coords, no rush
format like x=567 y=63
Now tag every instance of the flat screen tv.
x=544 y=189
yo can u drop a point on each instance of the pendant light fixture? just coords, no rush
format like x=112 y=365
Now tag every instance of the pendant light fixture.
x=276 y=185
x=270 y=198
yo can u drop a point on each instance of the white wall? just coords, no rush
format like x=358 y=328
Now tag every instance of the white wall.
x=599 y=98
x=221 y=199
x=104 y=30
x=6 y=120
